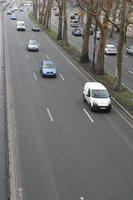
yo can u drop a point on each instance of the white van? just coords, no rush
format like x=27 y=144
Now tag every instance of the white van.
x=20 y=26
x=97 y=96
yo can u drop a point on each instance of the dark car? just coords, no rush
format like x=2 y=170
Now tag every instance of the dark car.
x=129 y=50
x=47 y=69
x=35 y=28
x=13 y=17
x=76 y=32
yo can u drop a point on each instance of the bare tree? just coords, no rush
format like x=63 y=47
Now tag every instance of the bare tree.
x=60 y=6
x=65 y=37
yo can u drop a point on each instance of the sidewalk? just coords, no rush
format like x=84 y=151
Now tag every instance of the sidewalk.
x=3 y=132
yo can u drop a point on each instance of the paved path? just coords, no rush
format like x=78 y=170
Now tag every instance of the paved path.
x=3 y=146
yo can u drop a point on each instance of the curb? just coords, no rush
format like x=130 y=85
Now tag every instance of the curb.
x=121 y=109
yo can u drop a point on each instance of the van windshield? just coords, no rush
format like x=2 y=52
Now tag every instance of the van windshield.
x=100 y=94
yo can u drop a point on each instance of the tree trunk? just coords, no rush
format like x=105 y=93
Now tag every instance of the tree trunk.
x=85 y=47
x=118 y=74
x=59 y=34
x=65 y=38
x=99 y=67
x=42 y=13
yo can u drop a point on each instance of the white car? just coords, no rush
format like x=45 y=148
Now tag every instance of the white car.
x=129 y=50
x=32 y=45
x=97 y=96
x=110 y=49
x=98 y=35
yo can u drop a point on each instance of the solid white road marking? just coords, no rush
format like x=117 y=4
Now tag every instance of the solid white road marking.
x=68 y=59
x=88 y=115
x=82 y=198
x=35 y=76
x=51 y=118
x=20 y=193
x=61 y=76
x=130 y=72
x=47 y=57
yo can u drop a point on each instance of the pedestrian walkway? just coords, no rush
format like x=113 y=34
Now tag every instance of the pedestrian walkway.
x=3 y=133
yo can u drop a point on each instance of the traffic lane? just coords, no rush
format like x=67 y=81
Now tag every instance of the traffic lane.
x=27 y=95
x=127 y=77
x=71 y=76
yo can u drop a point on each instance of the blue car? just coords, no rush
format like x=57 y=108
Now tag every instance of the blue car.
x=47 y=69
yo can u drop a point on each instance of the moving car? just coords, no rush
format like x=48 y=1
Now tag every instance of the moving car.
x=97 y=96
x=110 y=49
x=129 y=50
x=13 y=17
x=48 y=69
x=21 y=26
x=8 y=12
x=35 y=28
x=32 y=45
x=76 y=32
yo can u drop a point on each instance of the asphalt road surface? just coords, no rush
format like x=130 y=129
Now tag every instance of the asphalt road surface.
x=63 y=150
x=110 y=60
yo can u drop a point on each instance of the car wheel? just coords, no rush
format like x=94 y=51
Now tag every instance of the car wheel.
x=91 y=107
x=84 y=98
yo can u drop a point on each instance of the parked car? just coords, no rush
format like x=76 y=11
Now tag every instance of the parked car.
x=13 y=17
x=129 y=50
x=57 y=14
x=91 y=31
x=97 y=96
x=48 y=69
x=76 y=32
x=98 y=35
x=32 y=45
x=74 y=23
x=21 y=9
x=110 y=49
x=35 y=28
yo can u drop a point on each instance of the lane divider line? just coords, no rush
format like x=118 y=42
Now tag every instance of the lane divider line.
x=130 y=72
x=61 y=76
x=88 y=115
x=47 y=57
x=67 y=59
x=125 y=56
x=35 y=76
x=50 y=116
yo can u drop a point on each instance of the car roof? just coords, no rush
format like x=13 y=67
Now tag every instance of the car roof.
x=110 y=45
x=47 y=62
x=32 y=40
x=95 y=86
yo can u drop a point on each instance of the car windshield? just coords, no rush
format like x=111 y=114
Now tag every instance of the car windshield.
x=48 y=65
x=100 y=94
x=33 y=42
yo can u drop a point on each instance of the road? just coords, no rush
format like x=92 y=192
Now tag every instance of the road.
x=63 y=150
x=110 y=61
